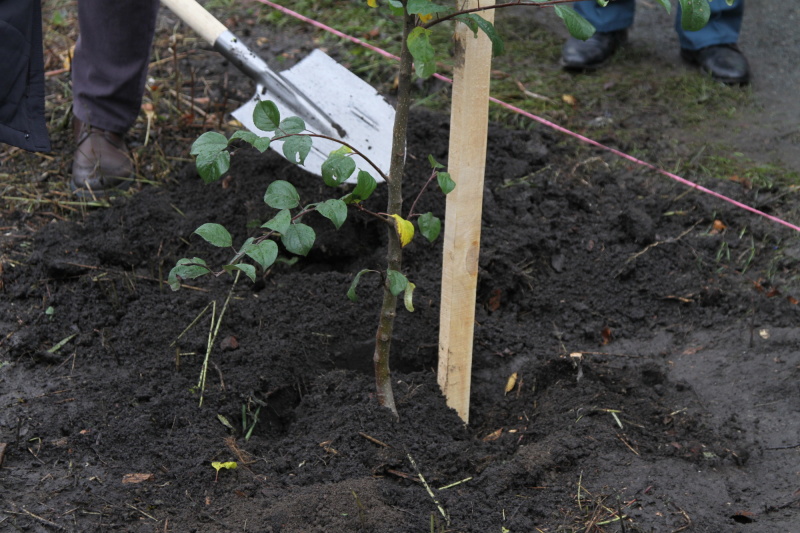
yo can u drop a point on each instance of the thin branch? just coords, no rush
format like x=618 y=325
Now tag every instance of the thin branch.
x=445 y=18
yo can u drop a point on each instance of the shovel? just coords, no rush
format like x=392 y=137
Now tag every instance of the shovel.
x=329 y=98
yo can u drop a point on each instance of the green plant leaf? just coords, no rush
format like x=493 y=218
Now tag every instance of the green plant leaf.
x=292 y=125
x=212 y=165
x=425 y=7
x=247 y=136
x=186 y=269
x=694 y=14
x=476 y=22
x=215 y=234
x=351 y=292
x=578 y=27
x=296 y=148
x=299 y=239
x=365 y=186
x=210 y=141
x=281 y=195
x=430 y=226
x=249 y=270
x=408 y=297
x=397 y=281
x=334 y=210
x=419 y=44
x=446 y=183
x=337 y=168
x=264 y=253
x=434 y=163
x=266 y=116
x=279 y=222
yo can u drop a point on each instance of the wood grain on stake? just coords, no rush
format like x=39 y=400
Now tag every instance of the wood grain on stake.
x=468 y=133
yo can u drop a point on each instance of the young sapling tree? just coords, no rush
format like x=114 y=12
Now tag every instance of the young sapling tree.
x=417 y=56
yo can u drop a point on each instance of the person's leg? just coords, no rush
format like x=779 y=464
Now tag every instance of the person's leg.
x=714 y=48
x=611 y=24
x=109 y=72
x=109 y=69
x=613 y=17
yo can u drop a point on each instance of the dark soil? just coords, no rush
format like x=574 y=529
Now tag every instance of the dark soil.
x=679 y=414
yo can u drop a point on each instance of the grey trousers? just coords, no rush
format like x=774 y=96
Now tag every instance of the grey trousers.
x=112 y=54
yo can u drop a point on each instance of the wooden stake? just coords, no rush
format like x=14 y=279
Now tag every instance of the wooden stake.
x=468 y=132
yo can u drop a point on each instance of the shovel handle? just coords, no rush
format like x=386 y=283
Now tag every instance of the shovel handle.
x=200 y=20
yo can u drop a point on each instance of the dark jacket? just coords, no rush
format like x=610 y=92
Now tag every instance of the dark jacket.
x=22 y=120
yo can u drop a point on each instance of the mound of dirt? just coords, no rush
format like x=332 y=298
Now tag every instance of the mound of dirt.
x=656 y=378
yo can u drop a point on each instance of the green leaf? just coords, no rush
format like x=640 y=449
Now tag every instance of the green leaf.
x=281 y=195
x=578 y=27
x=292 y=125
x=334 y=210
x=186 y=269
x=210 y=141
x=365 y=186
x=419 y=44
x=247 y=136
x=279 y=222
x=262 y=144
x=408 y=297
x=299 y=239
x=397 y=281
x=434 y=163
x=337 y=168
x=249 y=270
x=212 y=165
x=446 y=183
x=425 y=7
x=351 y=292
x=264 y=253
x=215 y=234
x=296 y=148
x=694 y=14
x=430 y=226
x=266 y=116
x=475 y=22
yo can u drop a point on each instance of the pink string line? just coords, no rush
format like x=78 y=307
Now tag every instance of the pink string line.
x=540 y=120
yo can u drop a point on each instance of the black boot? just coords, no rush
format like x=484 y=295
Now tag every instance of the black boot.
x=593 y=52
x=725 y=63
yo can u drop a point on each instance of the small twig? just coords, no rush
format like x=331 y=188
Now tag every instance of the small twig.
x=44 y=520
x=784 y=447
x=428 y=488
x=3 y=447
x=374 y=440
x=659 y=243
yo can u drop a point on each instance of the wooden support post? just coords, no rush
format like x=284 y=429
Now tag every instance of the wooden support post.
x=462 y=234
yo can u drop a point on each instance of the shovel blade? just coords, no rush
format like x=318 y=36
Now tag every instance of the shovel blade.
x=366 y=118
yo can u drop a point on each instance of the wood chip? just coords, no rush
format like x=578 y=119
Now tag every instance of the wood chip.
x=137 y=478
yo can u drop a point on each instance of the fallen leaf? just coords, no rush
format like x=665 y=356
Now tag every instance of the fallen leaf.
x=717 y=227
x=569 y=99
x=792 y=300
x=137 y=478
x=512 y=381
x=773 y=292
x=494 y=435
x=606 y=334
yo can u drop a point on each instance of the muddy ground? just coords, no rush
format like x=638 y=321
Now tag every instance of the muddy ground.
x=680 y=414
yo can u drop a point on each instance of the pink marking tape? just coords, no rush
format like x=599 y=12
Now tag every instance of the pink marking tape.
x=540 y=120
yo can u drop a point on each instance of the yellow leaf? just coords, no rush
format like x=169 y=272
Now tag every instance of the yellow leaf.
x=512 y=380
x=425 y=18
x=372 y=3
x=405 y=229
x=229 y=465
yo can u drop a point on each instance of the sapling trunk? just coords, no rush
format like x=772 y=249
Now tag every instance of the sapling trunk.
x=394 y=254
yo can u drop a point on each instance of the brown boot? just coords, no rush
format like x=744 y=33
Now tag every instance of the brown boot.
x=102 y=164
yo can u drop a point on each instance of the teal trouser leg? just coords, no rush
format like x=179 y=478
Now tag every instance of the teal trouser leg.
x=722 y=28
